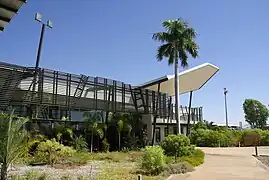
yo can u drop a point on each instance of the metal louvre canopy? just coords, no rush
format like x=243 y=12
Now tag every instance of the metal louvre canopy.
x=8 y=9
x=190 y=80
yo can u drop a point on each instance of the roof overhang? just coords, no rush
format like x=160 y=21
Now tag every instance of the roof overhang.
x=8 y=9
x=190 y=80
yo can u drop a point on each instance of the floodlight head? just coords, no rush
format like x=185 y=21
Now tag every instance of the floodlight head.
x=225 y=91
x=38 y=17
x=49 y=23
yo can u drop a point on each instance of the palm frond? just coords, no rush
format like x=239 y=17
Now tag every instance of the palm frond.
x=189 y=33
x=167 y=24
x=162 y=37
x=163 y=51
x=171 y=57
x=183 y=58
x=192 y=48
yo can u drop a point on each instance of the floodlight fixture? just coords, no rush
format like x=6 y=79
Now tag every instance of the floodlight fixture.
x=225 y=90
x=49 y=23
x=38 y=17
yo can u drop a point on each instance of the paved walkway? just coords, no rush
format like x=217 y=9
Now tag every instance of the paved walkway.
x=229 y=164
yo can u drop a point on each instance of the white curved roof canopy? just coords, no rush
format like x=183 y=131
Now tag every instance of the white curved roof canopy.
x=190 y=80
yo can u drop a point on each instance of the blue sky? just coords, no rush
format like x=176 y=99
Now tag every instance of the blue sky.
x=112 y=38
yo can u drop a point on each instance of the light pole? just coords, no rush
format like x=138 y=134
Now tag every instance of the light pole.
x=225 y=101
x=38 y=18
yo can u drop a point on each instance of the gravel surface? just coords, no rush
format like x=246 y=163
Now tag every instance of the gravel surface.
x=264 y=160
x=89 y=170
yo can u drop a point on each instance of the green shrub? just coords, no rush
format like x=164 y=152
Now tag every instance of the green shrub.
x=208 y=138
x=199 y=125
x=105 y=145
x=264 y=138
x=125 y=149
x=153 y=161
x=80 y=144
x=177 y=145
x=53 y=152
x=196 y=159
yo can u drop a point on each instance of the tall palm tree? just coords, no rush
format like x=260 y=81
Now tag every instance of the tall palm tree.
x=178 y=41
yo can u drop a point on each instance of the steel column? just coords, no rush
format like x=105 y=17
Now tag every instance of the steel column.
x=155 y=116
x=189 y=115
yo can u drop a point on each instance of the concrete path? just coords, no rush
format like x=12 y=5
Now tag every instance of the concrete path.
x=231 y=164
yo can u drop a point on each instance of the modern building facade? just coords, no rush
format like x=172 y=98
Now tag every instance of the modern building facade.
x=45 y=94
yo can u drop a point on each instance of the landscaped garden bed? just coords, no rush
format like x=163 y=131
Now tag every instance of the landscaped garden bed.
x=114 y=165
x=64 y=155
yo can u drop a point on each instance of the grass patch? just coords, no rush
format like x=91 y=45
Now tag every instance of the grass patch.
x=130 y=156
x=124 y=173
x=31 y=175
x=80 y=158
x=196 y=159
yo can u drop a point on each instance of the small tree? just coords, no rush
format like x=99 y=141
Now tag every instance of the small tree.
x=119 y=129
x=13 y=141
x=95 y=128
x=177 y=145
x=256 y=113
x=122 y=125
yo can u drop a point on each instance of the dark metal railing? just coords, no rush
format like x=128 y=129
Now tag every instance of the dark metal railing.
x=69 y=91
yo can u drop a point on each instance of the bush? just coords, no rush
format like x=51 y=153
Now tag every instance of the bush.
x=264 y=138
x=196 y=159
x=80 y=144
x=53 y=152
x=209 y=138
x=153 y=161
x=177 y=145
x=105 y=145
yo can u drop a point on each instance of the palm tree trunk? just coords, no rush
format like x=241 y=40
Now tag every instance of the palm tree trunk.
x=91 y=141
x=4 y=172
x=119 y=141
x=177 y=95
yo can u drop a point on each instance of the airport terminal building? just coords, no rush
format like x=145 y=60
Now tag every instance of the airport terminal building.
x=49 y=95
